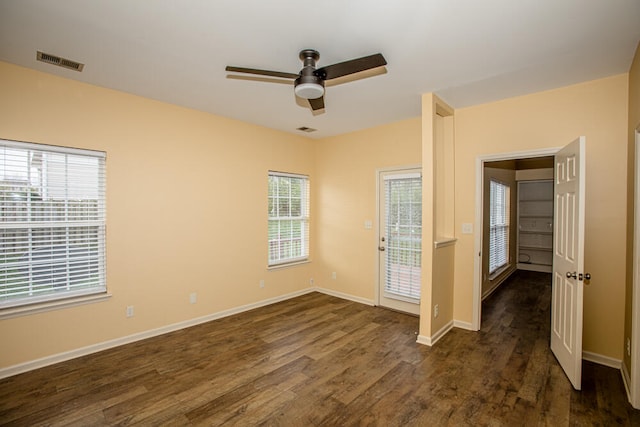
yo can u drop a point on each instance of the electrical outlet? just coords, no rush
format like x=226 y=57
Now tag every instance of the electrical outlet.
x=193 y=298
x=436 y=310
x=129 y=311
x=334 y=276
x=262 y=283
x=311 y=281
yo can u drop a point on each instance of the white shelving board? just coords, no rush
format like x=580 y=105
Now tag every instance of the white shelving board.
x=535 y=225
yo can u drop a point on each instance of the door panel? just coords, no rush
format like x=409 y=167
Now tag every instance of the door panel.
x=568 y=260
x=400 y=245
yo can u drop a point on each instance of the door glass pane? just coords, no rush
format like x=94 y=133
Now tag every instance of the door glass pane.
x=403 y=231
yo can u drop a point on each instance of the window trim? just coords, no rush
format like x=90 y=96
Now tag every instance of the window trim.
x=53 y=301
x=305 y=222
x=42 y=307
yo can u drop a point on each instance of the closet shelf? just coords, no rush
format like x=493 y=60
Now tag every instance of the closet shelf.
x=535 y=232
x=535 y=225
x=535 y=248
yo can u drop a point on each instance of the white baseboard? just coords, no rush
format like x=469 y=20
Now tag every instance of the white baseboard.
x=442 y=332
x=424 y=340
x=94 y=348
x=602 y=360
x=463 y=325
x=342 y=295
x=429 y=341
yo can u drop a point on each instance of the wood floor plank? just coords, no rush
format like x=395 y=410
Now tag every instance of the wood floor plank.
x=317 y=360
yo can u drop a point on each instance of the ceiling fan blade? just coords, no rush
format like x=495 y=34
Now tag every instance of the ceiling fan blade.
x=261 y=72
x=351 y=67
x=317 y=104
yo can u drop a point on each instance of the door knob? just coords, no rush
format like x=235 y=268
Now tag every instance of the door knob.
x=574 y=275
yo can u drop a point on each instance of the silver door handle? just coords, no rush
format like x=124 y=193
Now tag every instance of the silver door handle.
x=574 y=275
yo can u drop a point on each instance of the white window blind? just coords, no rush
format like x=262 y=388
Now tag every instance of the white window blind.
x=403 y=231
x=52 y=223
x=288 y=218
x=498 y=225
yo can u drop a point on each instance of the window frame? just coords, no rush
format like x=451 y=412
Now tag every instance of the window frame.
x=504 y=227
x=298 y=222
x=66 y=260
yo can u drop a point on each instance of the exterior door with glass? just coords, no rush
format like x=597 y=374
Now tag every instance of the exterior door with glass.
x=400 y=240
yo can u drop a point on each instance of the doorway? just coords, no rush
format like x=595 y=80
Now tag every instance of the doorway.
x=567 y=261
x=517 y=219
x=528 y=160
x=400 y=239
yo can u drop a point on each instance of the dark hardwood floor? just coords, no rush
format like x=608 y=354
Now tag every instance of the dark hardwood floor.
x=319 y=360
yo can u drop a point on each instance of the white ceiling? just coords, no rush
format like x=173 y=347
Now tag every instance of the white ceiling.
x=466 y=51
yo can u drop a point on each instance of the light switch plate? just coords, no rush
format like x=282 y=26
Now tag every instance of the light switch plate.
x=467 y=228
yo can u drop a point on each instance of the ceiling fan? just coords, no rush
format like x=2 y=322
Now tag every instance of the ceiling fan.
x=309 y=82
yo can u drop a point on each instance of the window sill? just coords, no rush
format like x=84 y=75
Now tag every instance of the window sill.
x=289 y=264
x=8 y=313
x=444 y=242
x=499 y=271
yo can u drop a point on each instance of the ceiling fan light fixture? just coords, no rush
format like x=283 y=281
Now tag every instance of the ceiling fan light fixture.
x=309 y=90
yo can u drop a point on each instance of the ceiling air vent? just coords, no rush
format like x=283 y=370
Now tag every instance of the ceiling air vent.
x=306 y=129
x=60 y=62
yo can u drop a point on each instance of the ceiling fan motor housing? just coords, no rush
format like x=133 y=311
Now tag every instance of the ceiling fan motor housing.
x=308 y=85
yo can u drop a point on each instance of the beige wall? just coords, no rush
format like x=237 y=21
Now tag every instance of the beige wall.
x=186 y=208
x=345 y=198
x=596 y=109
x=633 y=124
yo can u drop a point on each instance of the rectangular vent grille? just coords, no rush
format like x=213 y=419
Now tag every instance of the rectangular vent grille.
x=60 y=62
x=306 y=129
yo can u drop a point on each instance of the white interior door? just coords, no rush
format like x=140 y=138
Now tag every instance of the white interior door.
x=400 y=240
x=568 y=260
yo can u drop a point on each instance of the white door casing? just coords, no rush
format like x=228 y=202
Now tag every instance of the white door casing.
x=477 y=267
x=568 y=260
x=634 y=387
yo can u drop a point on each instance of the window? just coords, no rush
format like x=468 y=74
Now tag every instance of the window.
x=288 y=218
x=52 y=223
x=498 y=226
